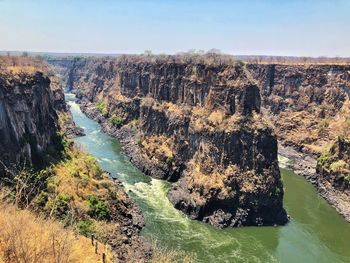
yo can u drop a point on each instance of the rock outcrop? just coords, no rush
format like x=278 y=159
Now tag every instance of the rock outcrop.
x=193 y=123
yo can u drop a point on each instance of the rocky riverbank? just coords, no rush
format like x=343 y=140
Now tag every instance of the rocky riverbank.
x=305 y=165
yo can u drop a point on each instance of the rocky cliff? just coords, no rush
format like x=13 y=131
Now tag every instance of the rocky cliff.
x=29 y=123
x=195 y=123
x=309 y=107
x=333 y=168
x=308 y=104
x=35 y=124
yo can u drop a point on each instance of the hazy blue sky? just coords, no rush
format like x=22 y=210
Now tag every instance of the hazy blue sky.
x=271 y=27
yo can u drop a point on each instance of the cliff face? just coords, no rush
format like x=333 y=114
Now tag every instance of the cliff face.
x=195 y=124
x=334 y=164
x=309 y=107
x=333 y=168
x=29 y=122
x=308 y=104
x=35 y=122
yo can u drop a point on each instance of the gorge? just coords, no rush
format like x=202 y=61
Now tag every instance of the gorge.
x=193 y=123
x=307 y=104
x=206 y=131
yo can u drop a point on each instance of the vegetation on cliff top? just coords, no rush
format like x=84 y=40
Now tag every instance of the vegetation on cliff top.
x=336 y=161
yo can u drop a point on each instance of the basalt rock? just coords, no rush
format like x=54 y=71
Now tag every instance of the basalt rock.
x=333 y=167
x=195 y=124
x=33 y=119
x=29 y=122
x=308 y=104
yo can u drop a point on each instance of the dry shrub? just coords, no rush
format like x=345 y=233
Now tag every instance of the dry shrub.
x=22 y=69
x=207 y=183
x=158 y=146
x=209 y=59
x=216 y=117
x=29 y=65
x=26 y=238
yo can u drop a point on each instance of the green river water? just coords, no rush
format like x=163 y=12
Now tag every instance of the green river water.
x=316 y=232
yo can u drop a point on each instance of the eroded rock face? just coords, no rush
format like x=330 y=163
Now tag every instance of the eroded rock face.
x=28 y=120
x=333 y=180
x=310 y=107
x=308 y=104
x=334 y=164
x=197 y=125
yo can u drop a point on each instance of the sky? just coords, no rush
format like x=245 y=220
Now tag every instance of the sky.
x=250 y=27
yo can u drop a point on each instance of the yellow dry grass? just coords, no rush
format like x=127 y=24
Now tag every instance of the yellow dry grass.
x=216 y=180
x=27 y=238
x=161 y=255
x=81 y=177
x=22 y=69
x=29 y=65
x=216 y=117
x=158 y=145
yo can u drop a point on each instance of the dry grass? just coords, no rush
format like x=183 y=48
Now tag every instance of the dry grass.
x=21 y=69
x=158 y=146
x=216 y=181
x=216 y=117
x=78 y=178
x=73 y=183
x=29 y=239
x=340 y=124
x=78 y=194
x=161 y=255
x=30 y=65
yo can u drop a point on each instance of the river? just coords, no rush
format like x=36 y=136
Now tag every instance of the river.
x=316 y=232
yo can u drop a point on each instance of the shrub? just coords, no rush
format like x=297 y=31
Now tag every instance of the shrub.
x=41 y=199
x=86 y=227
x=323 y=158
x=337 y=166
x=62 y=145
x=169 y=160
x=60 y=206
x=116 y=120
x=347 y=178
x=98 y=209
x=102 y=107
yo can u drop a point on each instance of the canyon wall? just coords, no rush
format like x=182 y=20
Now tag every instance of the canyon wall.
x=45 y=172
x=310 y=110
x=308 y=104
x=29 y=122
x=196 y=124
